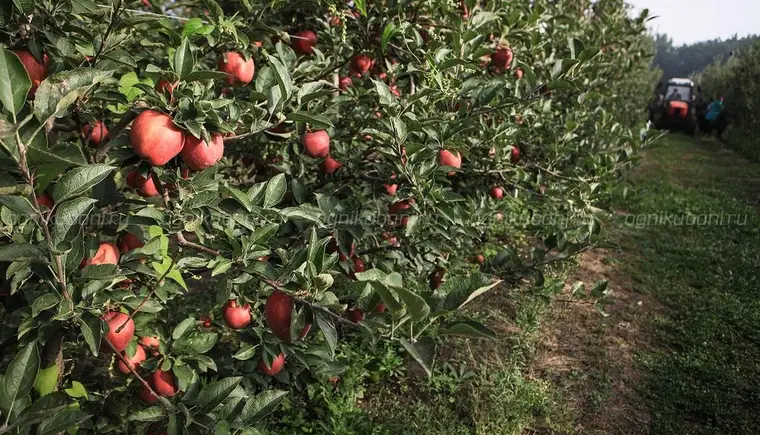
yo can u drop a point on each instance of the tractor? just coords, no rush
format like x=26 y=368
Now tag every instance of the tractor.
x=674 y=106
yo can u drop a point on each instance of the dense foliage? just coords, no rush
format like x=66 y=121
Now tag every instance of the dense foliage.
x=201 y=202
x=685 y=60
x=737 y=79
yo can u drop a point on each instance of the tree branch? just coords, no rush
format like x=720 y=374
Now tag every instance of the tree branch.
x=162 y=400
x=100 y=154
x=182 y=241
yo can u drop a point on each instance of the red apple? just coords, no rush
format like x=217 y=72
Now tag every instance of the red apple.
x=152 y=343
x=128 y=242
x=277 y=364
x=480 y=258
x=240 y=70
x=514 y=155
x=329 y=166
x=135 y=361
x=144 y=186
x=355 y=315
x=499 y=216
x=107 y=253
x=345 y=83
x=119 y=339
x=304 y=42
x=380 y=308
x=519 y=73
x=502 y=58
x=316 y=144
x=277 y=311
x=155 y=138
x=236 y=317
x=391 y=189
x=497 y=192
x=449 y=158
x=360 y=64
x=45 y=200
x=37 y=71
x=94 y=134
x=359 y=265
x=163 y=383
x=198 y=155
x=395 y=209
x=206 y=321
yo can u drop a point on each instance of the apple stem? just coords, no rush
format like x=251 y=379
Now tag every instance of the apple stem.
x=167 y=405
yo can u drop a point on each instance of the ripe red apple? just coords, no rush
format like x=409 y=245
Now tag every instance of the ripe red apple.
x=480 y=258
x=303 y=42
x=135 y=361
x=45 y=200
x=345 y=83
x=316 y=144
x=236 y=317
x=147 y=396
x=397 y=208
x=119 y=339
x=94 y=134
x=390 y=238
x=335 y=21
x=359 y=265
x=497 y=192
x=395 y=91
x=37 y=71
x=519 y=73
x=277 y=364
x=198 y=155
x=380 y=308
x=514 y=155
x=144 y=186
x=448 y=158
x=128 y=242
x=355 y=315
x=206 y=321
x=163 y=383
x=391 y=189
x=332 y=246
x=152 y=343
x=107 y=253
x=240 y=70
x=360 y=64
x=329 y=166
x=155 y=138
x=499 y=216
x=277 y=311
x=502 y=58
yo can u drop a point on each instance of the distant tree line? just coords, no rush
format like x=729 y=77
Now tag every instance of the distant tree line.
x=685 y=60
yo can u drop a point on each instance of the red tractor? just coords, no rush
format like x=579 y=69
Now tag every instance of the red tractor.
x=674 y=108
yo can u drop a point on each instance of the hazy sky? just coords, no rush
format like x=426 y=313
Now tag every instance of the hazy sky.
x=688 y=21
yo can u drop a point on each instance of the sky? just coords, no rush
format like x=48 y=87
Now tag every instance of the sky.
x=689 y=21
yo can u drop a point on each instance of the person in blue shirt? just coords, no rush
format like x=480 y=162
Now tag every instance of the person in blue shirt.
x=716 y=116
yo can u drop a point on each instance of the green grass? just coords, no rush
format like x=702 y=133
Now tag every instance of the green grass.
x=704 y=377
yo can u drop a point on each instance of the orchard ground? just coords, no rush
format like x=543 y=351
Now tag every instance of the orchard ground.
x=674 y=351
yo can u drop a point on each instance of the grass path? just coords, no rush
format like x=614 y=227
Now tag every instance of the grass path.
x=679 y=352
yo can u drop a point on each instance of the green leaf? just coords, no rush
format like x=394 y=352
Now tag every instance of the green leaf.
x=386 y=96
x=14 y=82
x=47 y=380
x=309 y=214
x=388 y=32
x=276 y=188
x=469 y=328
x=25 y=6
x=62 y=421
x=361 y=6
x=67 y=154
x=19 y=204
x=216 y=392
x=423 y=351
x=197 y=76
x=262 y=234
x=183 y=327
x=416 y=305
x=283 y=77
x=78 y=180
x=459 y=291
x=328 y=330
x=77 y=390
x=92 y=330
x=21 y=373
x=58 y=92
x=44 y=302
x=313 y=121
x=183 y=59
x=387 y=297
x=245 y=353
x=69 y=215
x=22 y=252
x=154 y=413
x=262 y=405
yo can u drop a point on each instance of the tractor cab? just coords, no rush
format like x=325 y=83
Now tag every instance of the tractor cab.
x=673 y=109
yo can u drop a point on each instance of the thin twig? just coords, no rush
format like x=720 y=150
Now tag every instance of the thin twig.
x=152 y=291
x=188 y=244
x=123 y=122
